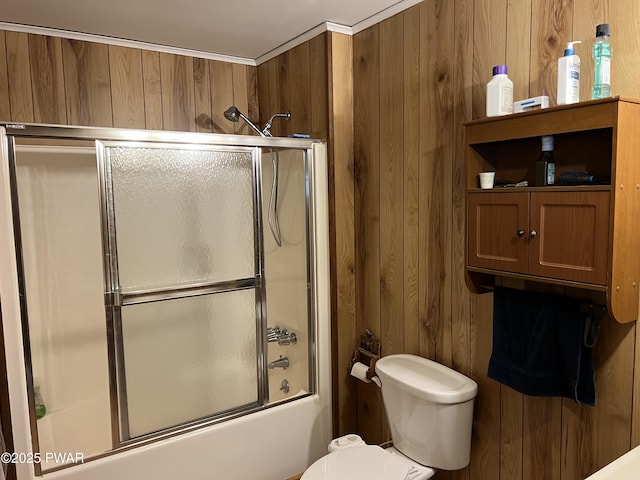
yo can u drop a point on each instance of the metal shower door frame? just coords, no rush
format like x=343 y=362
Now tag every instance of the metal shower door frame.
x=9 y=132
x=115 y=299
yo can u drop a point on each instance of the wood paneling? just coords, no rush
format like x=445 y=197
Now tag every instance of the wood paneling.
x=49 y=104
x=391 y=184
x=127 y=96
x=221 y=76
x=87 y=83
x=20 y=90
x=551 y=24
x=319 y=87
x=298 y=82
x=5 y=107
x=341 y=232
x=61 y=81
x=391 y=189
x=241 y=98
x=489 y=41
x=152 y=85
x=300 y=90
x=253 y=105
x=625 y=35
x=178 y=93
x=275 y=98
x=366 y=76
x=461 y=307
x=202 y=92
x=411 y=188
x=436 y=151
x=264 y=96
x=283 y=92
x=518 y=47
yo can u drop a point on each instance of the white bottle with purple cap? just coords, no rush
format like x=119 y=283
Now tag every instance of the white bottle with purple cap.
x=499 y=93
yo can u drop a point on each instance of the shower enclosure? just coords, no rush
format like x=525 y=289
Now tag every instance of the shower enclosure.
x=154 y=300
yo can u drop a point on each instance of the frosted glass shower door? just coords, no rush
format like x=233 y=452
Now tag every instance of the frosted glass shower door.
x=184 y=265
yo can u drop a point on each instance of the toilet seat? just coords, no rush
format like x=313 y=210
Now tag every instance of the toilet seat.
x=367 y=462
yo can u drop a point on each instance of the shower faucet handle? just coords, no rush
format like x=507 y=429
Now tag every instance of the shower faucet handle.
x=286 y=338
x=273 y=333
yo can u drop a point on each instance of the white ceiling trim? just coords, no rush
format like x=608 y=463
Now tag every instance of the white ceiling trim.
x=308 y=35
x=294 y=42
x=383 y=15
x=338 y=28
x=120 y=42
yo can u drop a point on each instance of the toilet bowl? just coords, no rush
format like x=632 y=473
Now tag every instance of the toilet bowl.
x=366 y=462
x=430 y=409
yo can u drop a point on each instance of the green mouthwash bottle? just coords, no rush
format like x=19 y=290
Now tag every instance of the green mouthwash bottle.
x=602 y=58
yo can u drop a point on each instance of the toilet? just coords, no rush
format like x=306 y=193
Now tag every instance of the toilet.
x=430 y=411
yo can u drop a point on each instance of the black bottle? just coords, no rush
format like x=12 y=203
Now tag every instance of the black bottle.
x=546 y=166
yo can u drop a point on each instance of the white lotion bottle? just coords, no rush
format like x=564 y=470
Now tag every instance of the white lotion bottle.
x=569 y=76
x=499 y=93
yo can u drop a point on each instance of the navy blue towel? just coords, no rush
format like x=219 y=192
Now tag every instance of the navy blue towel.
x=538 y=345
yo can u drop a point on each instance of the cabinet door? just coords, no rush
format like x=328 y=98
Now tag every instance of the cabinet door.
x=497 y=224
x=572 y=235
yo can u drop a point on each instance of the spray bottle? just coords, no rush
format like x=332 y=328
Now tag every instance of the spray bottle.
x=569 y=76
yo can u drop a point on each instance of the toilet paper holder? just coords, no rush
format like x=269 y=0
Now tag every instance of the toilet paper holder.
x=368 y=353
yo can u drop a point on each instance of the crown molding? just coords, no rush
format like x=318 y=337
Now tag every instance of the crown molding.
x=294 y=42
x=121 y=42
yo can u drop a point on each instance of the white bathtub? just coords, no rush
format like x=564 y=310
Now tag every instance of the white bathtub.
x=274 y=444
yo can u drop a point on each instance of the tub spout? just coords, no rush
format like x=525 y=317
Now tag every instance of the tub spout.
x=282 y=362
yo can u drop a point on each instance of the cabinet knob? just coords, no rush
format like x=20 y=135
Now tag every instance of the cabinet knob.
x=520 y=233
x=533 y=234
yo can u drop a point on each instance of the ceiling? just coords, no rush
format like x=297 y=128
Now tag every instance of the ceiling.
x=246 y=29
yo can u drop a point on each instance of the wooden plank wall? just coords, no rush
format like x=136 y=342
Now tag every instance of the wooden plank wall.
x=70 y=82
x=296 y=82
x=417 y=77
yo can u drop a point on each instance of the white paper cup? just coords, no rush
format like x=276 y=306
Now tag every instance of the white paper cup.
x=486 y=179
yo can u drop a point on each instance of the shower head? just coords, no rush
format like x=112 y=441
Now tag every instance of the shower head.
x=266 y=130
x=234 y=115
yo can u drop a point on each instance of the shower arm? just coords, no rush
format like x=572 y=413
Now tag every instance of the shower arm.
x=266 y=130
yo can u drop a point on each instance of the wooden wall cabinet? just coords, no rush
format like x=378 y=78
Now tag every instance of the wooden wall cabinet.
x=561 y=235
x=585 y=236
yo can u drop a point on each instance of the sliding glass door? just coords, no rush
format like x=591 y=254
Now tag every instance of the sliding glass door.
x=183 y=268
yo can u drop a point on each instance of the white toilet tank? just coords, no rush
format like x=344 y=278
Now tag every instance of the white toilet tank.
x=430 y=410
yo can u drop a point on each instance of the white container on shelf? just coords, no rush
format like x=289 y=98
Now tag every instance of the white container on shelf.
x=499 y=93
x=569 y=76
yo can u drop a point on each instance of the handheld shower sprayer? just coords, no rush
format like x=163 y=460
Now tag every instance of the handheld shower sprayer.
x=234 y=115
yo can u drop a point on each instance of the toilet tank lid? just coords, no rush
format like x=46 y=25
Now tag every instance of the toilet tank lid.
x=426 y=379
